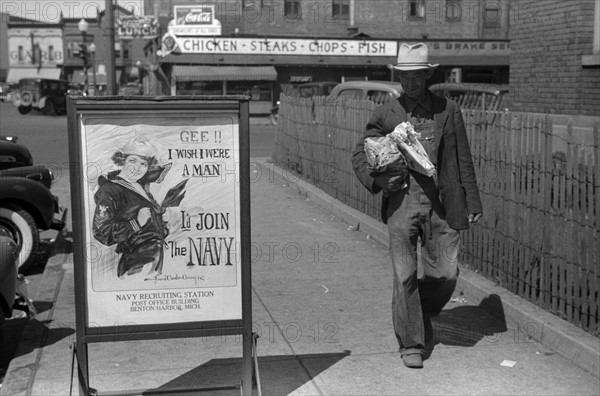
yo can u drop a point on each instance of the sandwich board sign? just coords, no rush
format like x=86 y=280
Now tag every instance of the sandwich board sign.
x=161 y=220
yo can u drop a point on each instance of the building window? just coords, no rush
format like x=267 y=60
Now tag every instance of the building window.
x=340 y=9
x=51 y=53
x=199 y=87
x=20 y=53
x=122 y=49
x=453 y=10
x=253 y=3
x=491 y=17
x=291 y=9
x=416 y=9
x=260 y=90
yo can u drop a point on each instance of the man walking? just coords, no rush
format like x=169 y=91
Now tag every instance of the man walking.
x=417 y=207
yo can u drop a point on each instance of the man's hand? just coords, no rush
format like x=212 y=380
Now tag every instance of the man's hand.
x=474 y=217
x=391 y=181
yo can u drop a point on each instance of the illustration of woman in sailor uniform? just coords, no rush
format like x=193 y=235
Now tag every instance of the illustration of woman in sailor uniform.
x=127 y=214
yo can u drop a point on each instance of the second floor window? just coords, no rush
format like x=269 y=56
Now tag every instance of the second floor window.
x=453 y=10
x=340 y=9
x=252 y=3
x=416 y=9
x=291 y=9
x=491 y=17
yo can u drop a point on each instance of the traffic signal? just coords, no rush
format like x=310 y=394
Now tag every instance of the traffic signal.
x=83 y=53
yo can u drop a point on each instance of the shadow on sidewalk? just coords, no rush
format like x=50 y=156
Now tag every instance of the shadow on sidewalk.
x=466 y=325
x=279 y=375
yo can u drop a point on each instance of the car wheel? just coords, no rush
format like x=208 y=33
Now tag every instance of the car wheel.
x=22 y=228
x=49 y=108
x=24 y=109
x=274 y=118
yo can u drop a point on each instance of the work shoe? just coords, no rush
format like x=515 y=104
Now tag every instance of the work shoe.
x=413 y=360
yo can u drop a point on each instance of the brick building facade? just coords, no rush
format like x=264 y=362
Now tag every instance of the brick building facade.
x=332 y=40
x=554 y=64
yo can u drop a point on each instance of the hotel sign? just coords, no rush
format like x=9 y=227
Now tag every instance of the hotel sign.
x=275 y=46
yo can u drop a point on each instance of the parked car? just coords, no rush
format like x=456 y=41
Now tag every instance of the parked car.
x=26 y=203
x=305 y=90
x=45 y=95
x=6 y=90
x=376 y=91
x=13 y=287
x=131 y=89
x=473 y=96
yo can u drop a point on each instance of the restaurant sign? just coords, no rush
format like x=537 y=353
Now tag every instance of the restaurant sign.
x=137 y=27
x=277 y=46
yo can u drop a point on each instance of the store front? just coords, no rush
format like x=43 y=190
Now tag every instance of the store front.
x=258 y=81
x=202 y=65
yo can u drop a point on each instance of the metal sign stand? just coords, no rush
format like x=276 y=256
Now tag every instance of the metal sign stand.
x=100 y=106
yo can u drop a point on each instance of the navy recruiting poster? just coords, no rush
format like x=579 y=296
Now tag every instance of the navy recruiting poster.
x=161 y=217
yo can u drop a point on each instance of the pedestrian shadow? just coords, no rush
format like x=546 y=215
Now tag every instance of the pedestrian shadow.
x=466 y=325
x=278 y=375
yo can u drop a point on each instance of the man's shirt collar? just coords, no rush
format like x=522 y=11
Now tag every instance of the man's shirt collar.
x=424 y=104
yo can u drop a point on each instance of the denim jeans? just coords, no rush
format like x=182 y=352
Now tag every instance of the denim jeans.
x=415 y=213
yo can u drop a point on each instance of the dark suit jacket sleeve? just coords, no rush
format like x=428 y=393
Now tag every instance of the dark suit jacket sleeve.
x=465 y=165
x=366 y=176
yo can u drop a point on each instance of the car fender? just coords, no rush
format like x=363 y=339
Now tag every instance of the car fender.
x=41 y=103
x=30 y=195
x=8 y=274
x=39 y=173
x=16 y=100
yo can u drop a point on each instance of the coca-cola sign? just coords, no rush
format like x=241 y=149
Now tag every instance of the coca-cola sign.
x=194 y=15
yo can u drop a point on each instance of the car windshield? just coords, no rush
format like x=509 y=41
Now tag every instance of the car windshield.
x=29 y=85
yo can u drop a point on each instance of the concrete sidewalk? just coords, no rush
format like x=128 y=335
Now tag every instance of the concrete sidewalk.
x=321 y=305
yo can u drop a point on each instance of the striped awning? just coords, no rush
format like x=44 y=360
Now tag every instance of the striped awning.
x=224 y=73
x=17 y=73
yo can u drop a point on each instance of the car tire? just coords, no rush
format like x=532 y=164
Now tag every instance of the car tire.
x=49 y=108
x=22 y=228
x=24 y=109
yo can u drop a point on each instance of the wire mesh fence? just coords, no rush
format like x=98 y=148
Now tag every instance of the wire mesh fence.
x=539 y=237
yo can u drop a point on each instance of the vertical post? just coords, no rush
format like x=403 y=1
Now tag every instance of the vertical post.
x=111 y=81
x=244 y=179
x=83 y=374
x=84 y=57
x=94 y=72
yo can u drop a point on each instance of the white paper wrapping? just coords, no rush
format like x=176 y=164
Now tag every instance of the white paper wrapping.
x=406 y=138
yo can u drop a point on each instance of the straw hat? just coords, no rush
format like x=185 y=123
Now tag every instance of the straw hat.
x=140 y=146
x=413 y=57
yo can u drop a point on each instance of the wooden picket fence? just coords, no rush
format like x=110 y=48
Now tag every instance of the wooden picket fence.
x=539 y=237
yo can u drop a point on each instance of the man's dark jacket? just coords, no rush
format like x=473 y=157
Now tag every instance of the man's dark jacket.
x=457 y=185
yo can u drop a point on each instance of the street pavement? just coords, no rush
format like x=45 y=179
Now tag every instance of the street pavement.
x=321 y=287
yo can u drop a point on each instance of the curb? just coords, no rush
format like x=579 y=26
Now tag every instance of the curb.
x=579 y=347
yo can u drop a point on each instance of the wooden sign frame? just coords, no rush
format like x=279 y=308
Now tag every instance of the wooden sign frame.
x=183 y=131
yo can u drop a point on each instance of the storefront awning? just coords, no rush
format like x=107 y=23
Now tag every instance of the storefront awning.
x=17 y=73
x=224 y=73
x=79 y=77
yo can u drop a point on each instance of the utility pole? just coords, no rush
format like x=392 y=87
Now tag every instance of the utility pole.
x=111 y=80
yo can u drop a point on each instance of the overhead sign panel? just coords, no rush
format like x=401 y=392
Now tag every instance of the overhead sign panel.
x=196 y=20
x=137 y=27
x=277 y=46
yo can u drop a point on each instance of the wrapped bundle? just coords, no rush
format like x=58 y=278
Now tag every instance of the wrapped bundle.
x=416 y=157
x=383 y=154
